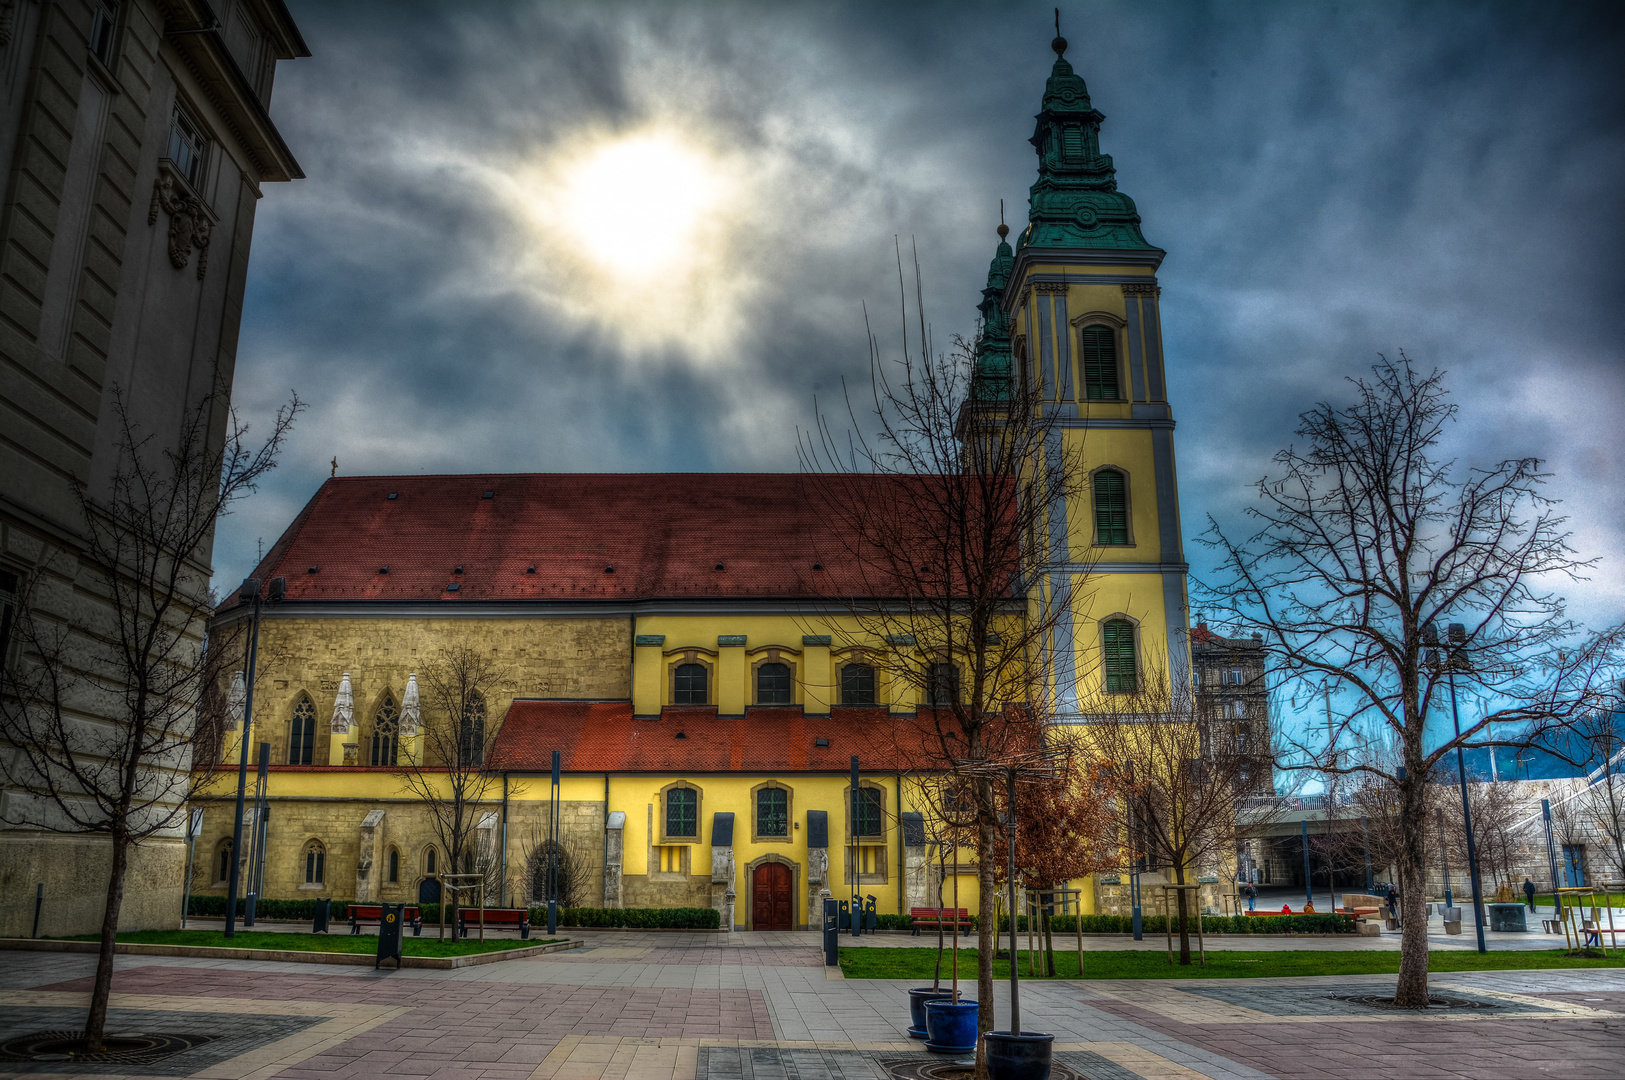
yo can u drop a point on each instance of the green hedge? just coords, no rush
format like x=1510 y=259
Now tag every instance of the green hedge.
x=1211 y=924
x=683 y=918
x=205 y=907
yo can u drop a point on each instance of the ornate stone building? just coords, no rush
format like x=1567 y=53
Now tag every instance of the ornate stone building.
x=135 y=144
x=685 y=643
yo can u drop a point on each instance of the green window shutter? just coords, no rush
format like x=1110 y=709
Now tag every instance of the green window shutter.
x=1117 y=641
x=1099 y=347
x=1111 y=507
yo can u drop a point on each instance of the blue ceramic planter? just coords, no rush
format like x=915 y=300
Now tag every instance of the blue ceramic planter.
x=917 y=998
x=950 y=1026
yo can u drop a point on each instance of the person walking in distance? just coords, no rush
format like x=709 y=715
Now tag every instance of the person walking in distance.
x=1393 y=902
x=1252 y=895
x=1529 y=891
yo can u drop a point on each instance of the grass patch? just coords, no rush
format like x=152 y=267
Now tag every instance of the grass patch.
x=336 y=943
x=1544 y=901
x=918 y=964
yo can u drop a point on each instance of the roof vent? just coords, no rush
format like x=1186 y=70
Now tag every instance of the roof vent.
x=459 y=569
x=384 y=569
x=719 y=566
x=313 y=569
x=453 y=587
x=393 y=495
x=610 y=569
x=820 y=742
x=531 y=569
x=682 y=734
x=488 y=494
x=818 y=566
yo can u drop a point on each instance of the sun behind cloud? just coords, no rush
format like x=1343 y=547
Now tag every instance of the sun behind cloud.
x=632 y=232
x=637 y=204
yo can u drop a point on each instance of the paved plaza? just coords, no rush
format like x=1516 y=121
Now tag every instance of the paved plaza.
x=636 y=1006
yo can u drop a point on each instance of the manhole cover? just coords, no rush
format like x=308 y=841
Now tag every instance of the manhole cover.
x=122 y=1048
x=1435 y=1001
x=958 y=1069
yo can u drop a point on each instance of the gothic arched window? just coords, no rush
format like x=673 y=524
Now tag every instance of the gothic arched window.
x=690 y=685
x=471 y=740
x=223 y=861
x=394 y=865
x=773 y=684
x=302 y=734
x=1098 y=344
x=1110 y=489
x=385 y=739
x=315 y=863
x=1118 y=656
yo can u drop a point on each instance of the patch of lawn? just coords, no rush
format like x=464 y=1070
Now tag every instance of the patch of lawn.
x=1544 y=900
x=918 y=964
x=340 y=942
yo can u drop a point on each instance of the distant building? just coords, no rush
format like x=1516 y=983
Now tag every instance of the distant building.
x=1232 y=692
x=134 y=143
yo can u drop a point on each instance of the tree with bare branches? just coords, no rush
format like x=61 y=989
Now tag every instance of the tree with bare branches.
x=1185 y=777
x=135 y=654
x=579 y=866
x=941 y=485
x=451 y=773
x=1366 y=543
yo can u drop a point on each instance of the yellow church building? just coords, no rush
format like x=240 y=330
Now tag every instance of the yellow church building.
x=686 y=643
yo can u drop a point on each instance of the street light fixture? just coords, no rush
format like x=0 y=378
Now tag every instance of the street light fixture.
x=1456 y=660
x=249 y=593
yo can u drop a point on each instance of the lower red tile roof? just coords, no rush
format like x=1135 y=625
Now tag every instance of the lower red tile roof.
x=606 y=737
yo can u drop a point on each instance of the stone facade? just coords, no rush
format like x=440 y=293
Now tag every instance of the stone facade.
x=103 y=285
x=302 y=653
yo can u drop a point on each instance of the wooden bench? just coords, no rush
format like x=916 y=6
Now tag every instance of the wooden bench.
x=515 y=918
x=372 y=914
x=933 y=918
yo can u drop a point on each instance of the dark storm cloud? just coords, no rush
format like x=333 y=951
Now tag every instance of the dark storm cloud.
x=1329 y=181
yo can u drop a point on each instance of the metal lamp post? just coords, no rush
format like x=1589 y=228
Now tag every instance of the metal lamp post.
x=250 y=592
x=1455 y=658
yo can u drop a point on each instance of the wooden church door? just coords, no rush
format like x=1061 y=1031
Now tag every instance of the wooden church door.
x=773 y=908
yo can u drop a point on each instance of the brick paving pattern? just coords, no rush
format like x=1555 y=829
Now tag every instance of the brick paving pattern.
x=762 y=1007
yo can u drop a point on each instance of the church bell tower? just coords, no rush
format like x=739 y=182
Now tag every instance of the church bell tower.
x=1071 y=317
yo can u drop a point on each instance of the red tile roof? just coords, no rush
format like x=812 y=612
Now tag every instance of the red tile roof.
x=606 y=737
x=664 y=534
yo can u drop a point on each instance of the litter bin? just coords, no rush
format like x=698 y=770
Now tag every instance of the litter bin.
x=1508 y=918
x=389 y=935
x=323 y=910
x=832 y=933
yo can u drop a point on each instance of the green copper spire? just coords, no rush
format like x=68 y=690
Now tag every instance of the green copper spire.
x=1075 y=202
x=991 y=380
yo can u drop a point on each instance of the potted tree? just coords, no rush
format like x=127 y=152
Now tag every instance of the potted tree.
x=919 y=995
x=950 y=1021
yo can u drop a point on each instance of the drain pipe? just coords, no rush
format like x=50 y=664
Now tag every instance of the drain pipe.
x=504 y=839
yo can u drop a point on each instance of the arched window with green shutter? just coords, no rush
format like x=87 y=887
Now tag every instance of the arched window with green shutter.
x=1110 y=489
x=1117 y=644
x=1098 y=344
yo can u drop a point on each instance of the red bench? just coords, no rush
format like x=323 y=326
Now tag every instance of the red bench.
x=373 y=914
x=515 y=918
x=933 y=918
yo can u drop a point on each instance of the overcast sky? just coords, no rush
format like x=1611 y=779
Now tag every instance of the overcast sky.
x=621 y=237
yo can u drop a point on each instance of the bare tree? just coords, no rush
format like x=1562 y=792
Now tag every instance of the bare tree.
x=578 y=867
x=1366 y=543
x=1603 y=800
x=1184 y=777
x=452 y=774
x=134 y=654
x=941 y=493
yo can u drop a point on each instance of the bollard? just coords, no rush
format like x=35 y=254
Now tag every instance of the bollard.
x=248 y=909
x=832 y=932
